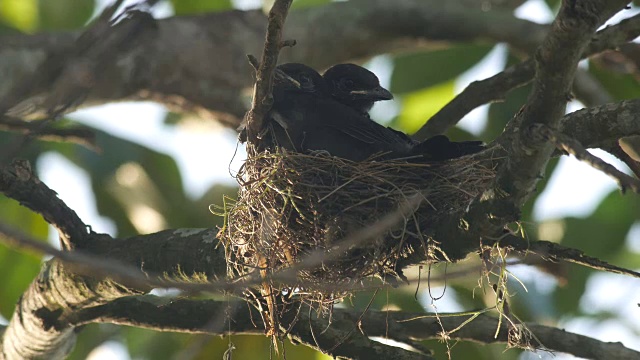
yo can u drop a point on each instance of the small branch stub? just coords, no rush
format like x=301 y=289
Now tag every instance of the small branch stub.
x=262 y=100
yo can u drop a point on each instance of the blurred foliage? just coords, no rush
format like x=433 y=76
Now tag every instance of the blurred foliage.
x=64 y=14
x=186 y=7
x=606 y=229
x=40 y=15
x=299 y=4
x=420 y=105
x=412 y=72
x=20 y=14
x=129 y=176
x=18 y=268
x=553 y=4
x=619 y=86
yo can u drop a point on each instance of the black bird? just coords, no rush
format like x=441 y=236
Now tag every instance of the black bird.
x=359 y=88
x=440 y=148
x=305 y=117
x=355 y=86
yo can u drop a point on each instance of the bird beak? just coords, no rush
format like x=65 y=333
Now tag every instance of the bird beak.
x=378 y=93
x=280 y=75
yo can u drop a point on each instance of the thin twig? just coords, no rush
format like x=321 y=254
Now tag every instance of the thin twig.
x=260 y=106
x=556 y=252
x=262 y=97
x=53 y=67
x=632 y=163
x=17 y=181
x=495 y=88
x=572 y=146
x=78 y=135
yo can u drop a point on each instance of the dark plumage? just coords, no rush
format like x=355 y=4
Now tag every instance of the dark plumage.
x=440 y=148
x=305 y=117
x=359 y=88
x=309 y=114
x=355 y=86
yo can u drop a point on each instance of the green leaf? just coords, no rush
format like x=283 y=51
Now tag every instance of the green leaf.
x=299 y=4
x=554 y=5
x=502 y=112
x=21 y=14
x=620 y=86
x=64 y=14
x=601 y=235
x=186 y=7
x=158 y=186
x=419 y=106
x=92 y=336
x=469 y=350
x=18 y=268
x=148 y=344
x=527 y=209
x=420 y=70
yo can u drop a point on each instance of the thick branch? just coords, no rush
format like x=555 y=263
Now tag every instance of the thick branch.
x=556 y=62
x=496 y=88
x=31 y=333
x=18 y=182
x=177 y=61
x=602 y=126
x=193 y=316
x=190 y=256
x=524 y=158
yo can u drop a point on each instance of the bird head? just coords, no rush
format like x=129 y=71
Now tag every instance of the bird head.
x=298 y=78
x=355 y=86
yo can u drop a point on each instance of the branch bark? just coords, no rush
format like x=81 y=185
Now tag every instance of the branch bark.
x=192 y=255
x=158 y=314
x=178 y=61
x=496 y=88
x=44 y=313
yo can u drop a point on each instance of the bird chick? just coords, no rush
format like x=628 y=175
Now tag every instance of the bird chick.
x=355 y=86
x=306 y=117
x=359 y=88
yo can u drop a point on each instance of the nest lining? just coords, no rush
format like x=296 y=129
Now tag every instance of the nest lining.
x=291 y=204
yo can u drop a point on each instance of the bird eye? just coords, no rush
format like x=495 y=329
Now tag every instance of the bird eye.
x=306 y=82
x=346 y=84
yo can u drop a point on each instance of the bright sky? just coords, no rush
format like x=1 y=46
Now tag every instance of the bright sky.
x=204 y=155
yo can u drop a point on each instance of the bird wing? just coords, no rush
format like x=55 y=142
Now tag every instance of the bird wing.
x=345 y=119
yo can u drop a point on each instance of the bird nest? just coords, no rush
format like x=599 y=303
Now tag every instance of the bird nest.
x=317 y=225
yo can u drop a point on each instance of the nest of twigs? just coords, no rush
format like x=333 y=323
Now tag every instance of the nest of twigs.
x=300 y=221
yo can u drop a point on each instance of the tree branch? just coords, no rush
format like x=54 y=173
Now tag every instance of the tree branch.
x=191 y=316
x=556 y=62
x=602 y=126
x=572 y=146
x=77 y=135
x=262 y=96
x=164 y=62
x=18 y=182
x=550 y=251
x=495 y=88
x=190 y=256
